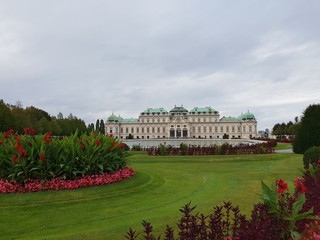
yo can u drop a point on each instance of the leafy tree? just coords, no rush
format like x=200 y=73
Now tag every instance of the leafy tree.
x=308 y=131
x=7 y=119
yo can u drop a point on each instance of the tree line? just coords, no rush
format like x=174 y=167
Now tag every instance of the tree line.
x=289 y=128
x=304 y=132
x=16 y=117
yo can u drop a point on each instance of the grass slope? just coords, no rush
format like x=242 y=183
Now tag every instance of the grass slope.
x=158 y=190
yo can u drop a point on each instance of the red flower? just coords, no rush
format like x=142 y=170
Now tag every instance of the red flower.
x=32 y=131
x=26 y=130
x=42 y=156
x=10 y=131
x=98 y=143
x=14 y=159
x=17 y=138
x=299 y=184
x=109 y=135
x=1 y=142
x=47 y=137
x=82 y=146
x=121 y=145
x=282 y=186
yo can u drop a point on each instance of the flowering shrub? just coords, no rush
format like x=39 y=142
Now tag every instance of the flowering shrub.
x=32 y=185
x=44 y=157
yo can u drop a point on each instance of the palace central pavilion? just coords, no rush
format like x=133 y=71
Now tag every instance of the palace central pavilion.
x=180 y=123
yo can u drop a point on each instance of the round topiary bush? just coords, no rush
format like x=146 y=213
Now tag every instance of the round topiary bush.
x=311 y=156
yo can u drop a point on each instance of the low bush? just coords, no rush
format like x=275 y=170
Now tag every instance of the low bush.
x=311 y=156
x=45 y=157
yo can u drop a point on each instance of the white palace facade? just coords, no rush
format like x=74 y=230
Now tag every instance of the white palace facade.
x=199 y=122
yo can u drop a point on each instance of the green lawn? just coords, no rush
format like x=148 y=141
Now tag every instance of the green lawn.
x=282 y=146
x=156 y=193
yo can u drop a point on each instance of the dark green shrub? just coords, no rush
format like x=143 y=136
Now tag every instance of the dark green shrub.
x=311 y=156
x=308 y=131
x=136 y=148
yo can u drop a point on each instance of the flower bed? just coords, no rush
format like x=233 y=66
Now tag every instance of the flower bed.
x=45 y=157
x=224 y=149
x=56 y=184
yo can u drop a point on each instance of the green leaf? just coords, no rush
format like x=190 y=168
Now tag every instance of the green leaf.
x=297 y=205
x=100 y=166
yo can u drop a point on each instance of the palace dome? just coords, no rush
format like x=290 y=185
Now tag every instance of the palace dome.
x=179 y=111
x=113 y=118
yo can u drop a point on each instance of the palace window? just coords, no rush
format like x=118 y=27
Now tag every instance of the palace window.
x=148 y=129
x=250 y=129
x=137 y=130
x=132 y=130
x=210 y=129
x=204 y=129
x=153 y=130
x=221 y=129
x=142 y=129
x=127 y=130
x=232 y=128
x=216 y=129
x=227 y=128
x=199 y=129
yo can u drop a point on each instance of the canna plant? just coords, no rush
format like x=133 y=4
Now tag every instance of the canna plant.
x=44 y=157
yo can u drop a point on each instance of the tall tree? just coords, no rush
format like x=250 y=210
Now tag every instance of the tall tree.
x=97 y=125
x=102 y=127
x=308 y=132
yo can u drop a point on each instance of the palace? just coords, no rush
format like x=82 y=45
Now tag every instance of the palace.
x=180 y=123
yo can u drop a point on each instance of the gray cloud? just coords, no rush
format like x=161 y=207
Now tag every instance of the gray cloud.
x=92 y=58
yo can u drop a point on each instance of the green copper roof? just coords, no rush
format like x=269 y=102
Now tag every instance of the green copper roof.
x=113 y=118
x=154 y=111
x=230 y=119
x=247 y=116
x=203 y=110
x=129 y=120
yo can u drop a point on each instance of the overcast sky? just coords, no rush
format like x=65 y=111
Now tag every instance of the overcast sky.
x=94 y=57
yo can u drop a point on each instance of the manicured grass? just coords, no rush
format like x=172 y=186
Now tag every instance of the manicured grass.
x=282 y=146
x=161 y=186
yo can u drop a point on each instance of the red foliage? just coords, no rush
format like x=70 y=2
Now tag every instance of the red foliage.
x=58 y=184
